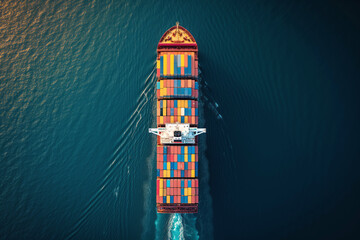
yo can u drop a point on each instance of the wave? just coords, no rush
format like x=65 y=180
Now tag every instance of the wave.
x=119 y=161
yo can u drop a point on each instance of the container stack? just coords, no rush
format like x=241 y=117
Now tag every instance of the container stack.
x=175 y=64
x=177 y=161
x=177 y=110
x=184 y=191
x=177 y=89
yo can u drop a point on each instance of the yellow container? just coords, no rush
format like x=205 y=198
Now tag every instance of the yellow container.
x=179 y=119
x=161 y=185
x=164 y=111
x=193 y=157
x=168 y=166
x=192 y=173
x=186 y=149
x=185 y=158
x=189 y=199
x=161 y=120
x=157 y=64
x=186 y=119
x=161 y=84
x=186 y=104
x=172 y=64
x=161 y=192
x=172 y=119
x=164 y=101
x=182 y=64
x=165 y=64
x=167 y=199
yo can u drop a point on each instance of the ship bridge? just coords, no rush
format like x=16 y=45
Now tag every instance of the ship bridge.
x=177 y=133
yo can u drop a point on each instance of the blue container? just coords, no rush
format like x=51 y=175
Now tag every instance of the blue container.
x=189 y=183
x=196 y=111
x=175 y=66
x=158 y=172
x=189 y=157
x=182 y=150
x=182 y=173
x=190 y=92
x=182 y=119
x=196 y=85
x=165 y=149
x=182 y=191
x=161 y=65
x=168 y=183
x=165 y=158
x=186 y=199
x=172 y=173
x=157 y=85
x=186 y=166
x=175 y=104
x=175 y=165
x=189 y=65
x=165 y=166
x=171 y=199
x=178 y=60
x=196 y=165
x=182 y=184
x=164 y=199
x=172 y=112
x=196 y=173
x=161 y=103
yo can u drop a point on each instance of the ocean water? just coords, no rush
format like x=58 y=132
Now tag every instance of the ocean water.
x=280 y=101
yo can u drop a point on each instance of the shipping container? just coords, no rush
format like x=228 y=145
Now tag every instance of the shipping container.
x=176 y=64
x=177 y=111
x=177 y=88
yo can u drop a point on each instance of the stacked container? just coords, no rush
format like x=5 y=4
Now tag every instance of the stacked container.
x=177 y=161
x=177 y=110
x=175 y=64
x=185 y=191
x=177 y=88
x=177 y=184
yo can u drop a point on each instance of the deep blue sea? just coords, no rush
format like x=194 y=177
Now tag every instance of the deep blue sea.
x=280 y=94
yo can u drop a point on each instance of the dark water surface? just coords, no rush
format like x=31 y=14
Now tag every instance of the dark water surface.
x=280 y=94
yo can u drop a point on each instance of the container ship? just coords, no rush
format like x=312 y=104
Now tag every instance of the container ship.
x=177 y=87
